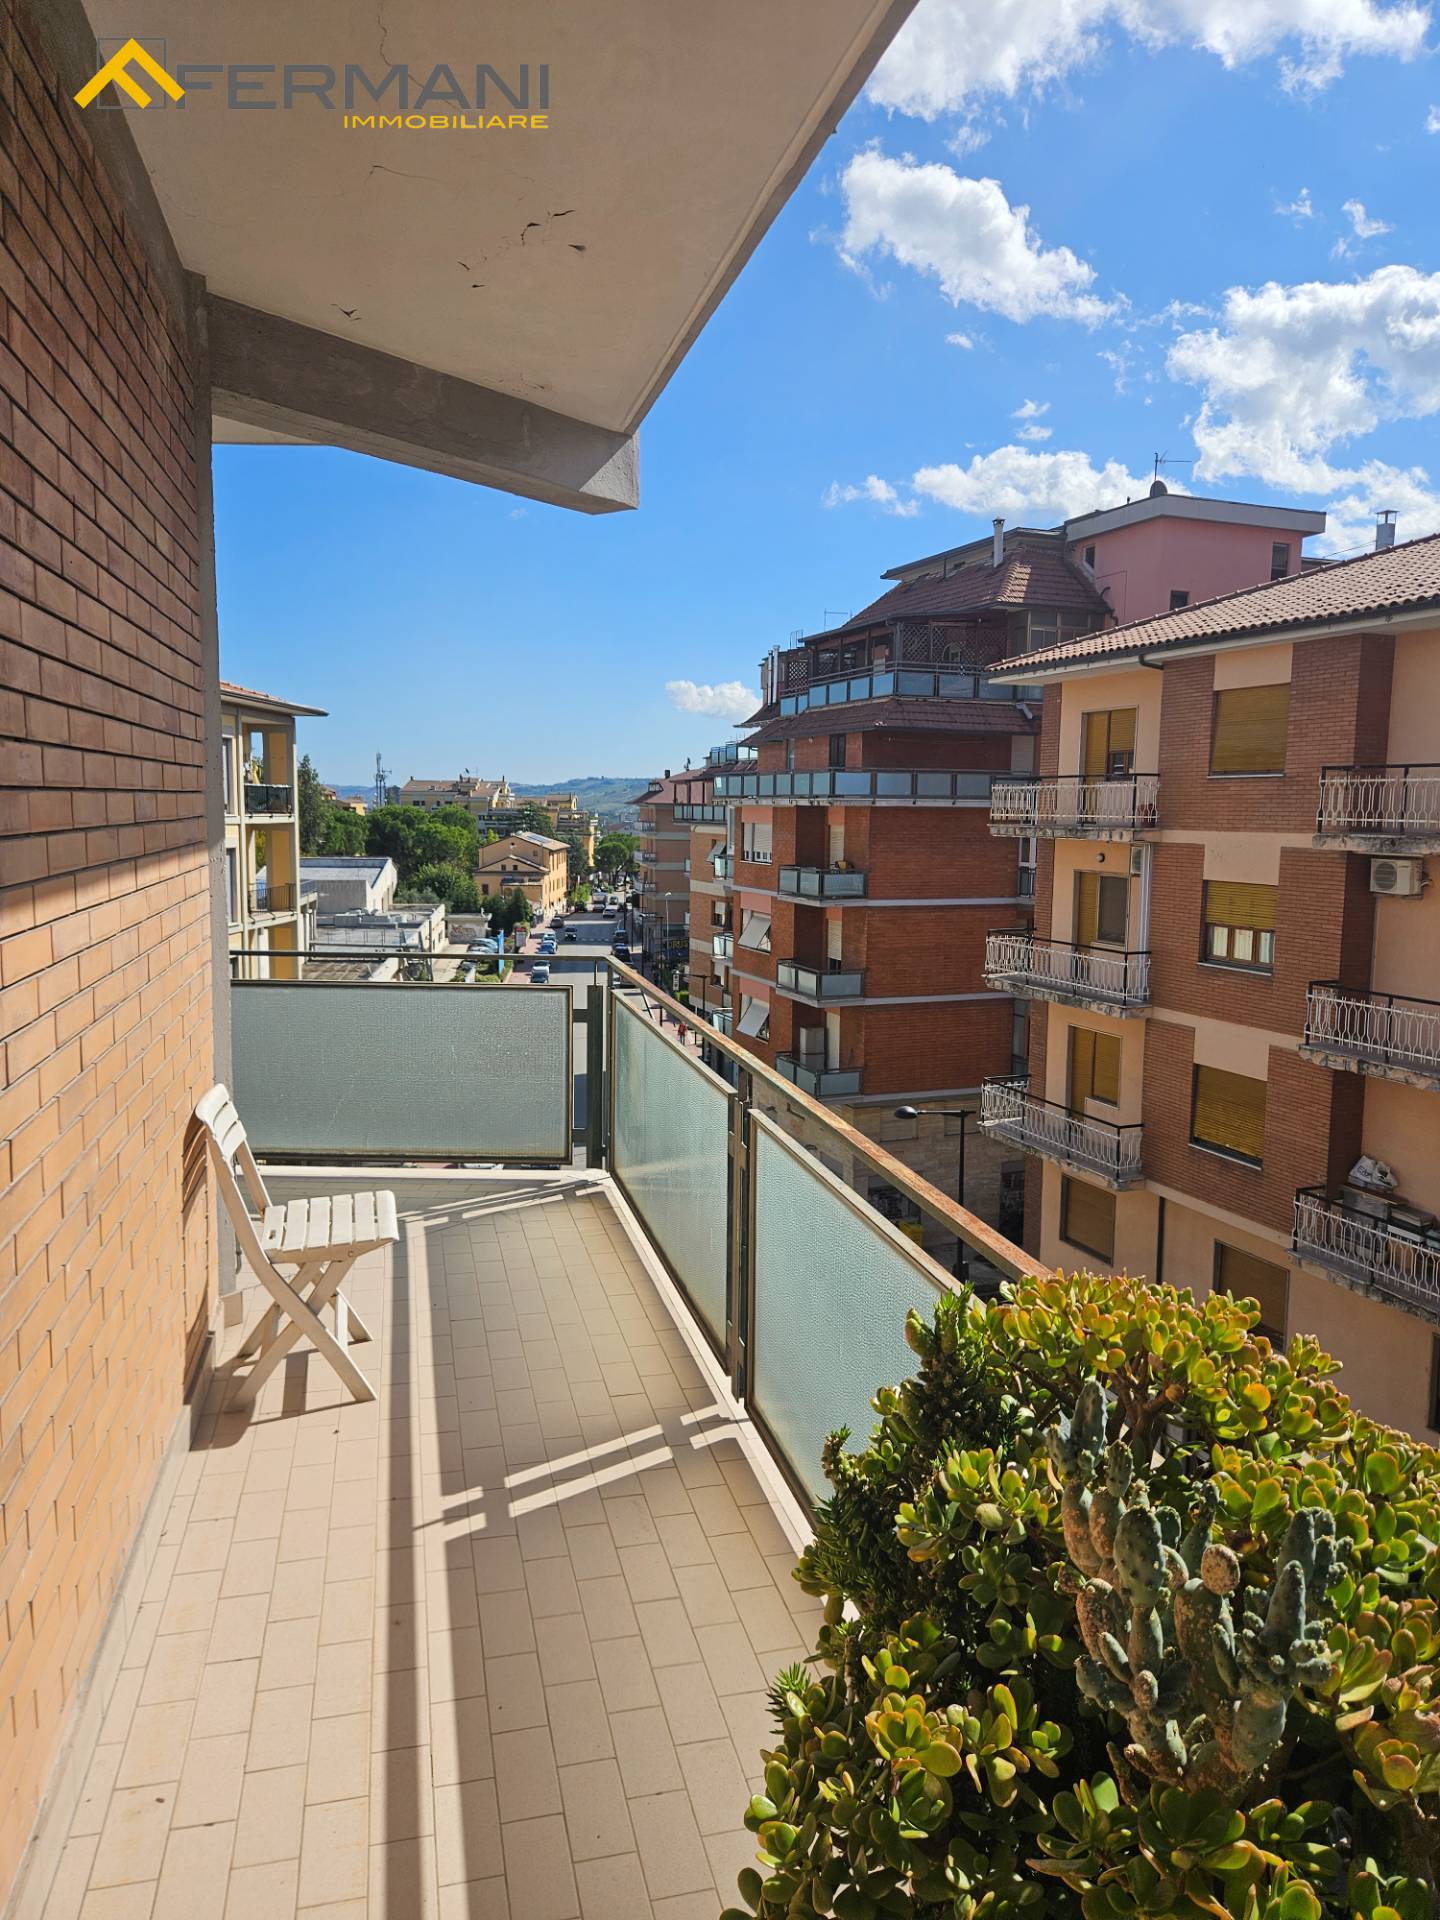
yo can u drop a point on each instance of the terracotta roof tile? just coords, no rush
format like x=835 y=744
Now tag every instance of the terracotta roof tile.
x=1028 y=577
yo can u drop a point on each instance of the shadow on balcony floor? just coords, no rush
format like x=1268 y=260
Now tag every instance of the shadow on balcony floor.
x=495 y=1646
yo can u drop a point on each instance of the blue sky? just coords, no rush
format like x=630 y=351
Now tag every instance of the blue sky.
x=1229 y=254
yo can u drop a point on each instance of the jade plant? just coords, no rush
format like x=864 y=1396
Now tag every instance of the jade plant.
x=1125 y=1613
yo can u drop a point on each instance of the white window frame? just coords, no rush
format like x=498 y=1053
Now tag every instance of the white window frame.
x=757 y=1014
x=757 y=925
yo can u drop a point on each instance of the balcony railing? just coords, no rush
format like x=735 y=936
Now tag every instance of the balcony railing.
x=819 y=983
x=699 y=815
x=1380 y=804
x=907 y=684
x=1368 y=1251
x=1011 y=1112
x=821 y=883
x=924 y=786
x=1379 y=1033
x=264 y=796
x=1067 y=803
x=278 y=898
x=1107 y=978
x=821 y=1083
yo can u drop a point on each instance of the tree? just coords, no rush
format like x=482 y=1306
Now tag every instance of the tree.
x=534 y=819
x=442 y=881
x=413 y=838
x=510 y=909
x=344 y=832
x=615 y=853
x=312 y=807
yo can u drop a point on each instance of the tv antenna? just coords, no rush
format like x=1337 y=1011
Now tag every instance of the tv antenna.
x=381 y=781
x=1165 y=460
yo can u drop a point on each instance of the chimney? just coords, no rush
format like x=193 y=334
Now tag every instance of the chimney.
x=997 y=557
x=1384 y=530
x=667 y=773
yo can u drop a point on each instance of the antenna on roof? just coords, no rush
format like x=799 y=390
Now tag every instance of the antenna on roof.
x=381 y=779
x=1165 y=460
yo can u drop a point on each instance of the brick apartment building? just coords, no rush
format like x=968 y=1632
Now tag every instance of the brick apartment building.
x=660 y=913
x=864 y=880
x=1233 y=973
x=709 y=899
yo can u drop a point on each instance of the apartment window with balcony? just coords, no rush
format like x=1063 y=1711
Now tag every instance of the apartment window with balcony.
x=756 y=842
x=1244 y=1277
x=837 y=751
x=1240 y=925
x=1178 y=598
x=1102 y=905
x=1249 y=728
x=755 y=932
x=1279 y=560
x=754 y=1018
x=1087 y=1217
x=1227 y=1113
x=1094 y=1068
x=1107 y=749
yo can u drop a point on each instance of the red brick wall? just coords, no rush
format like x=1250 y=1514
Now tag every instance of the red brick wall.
x=106 y=1261
x=910 y=1049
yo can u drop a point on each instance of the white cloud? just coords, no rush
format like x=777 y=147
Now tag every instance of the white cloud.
x=879 y=492
x=1041 y=485
x=1032 y=432
x=967 y=138
x=730 y=700
x=1432 y=120
x=1119 y=365
x=1365 y=227
x=1300 y=208
x=983 y=251
x=1031 y=410
x=953 y=53
x=959 y=340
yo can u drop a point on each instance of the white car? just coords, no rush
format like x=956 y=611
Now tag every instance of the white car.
x=540 y=974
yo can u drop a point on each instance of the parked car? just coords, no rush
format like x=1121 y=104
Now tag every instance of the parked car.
x=570 y=934
x=539 y=974
x=621 y=949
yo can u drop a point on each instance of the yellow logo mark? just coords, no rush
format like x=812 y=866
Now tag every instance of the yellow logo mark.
x=117 y=69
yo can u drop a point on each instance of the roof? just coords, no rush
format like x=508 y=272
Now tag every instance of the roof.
x=539 y=840
x=1029 y=576
x=343 y=866
x=237 y=695
x=1402 y=579
x=903 y=716
x=661 y=792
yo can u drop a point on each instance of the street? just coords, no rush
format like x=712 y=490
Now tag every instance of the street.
x=574 y=966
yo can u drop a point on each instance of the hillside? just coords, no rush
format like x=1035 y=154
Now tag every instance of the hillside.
x=599 y=792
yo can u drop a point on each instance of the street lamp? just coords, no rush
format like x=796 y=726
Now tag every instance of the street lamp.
x=962 y=1114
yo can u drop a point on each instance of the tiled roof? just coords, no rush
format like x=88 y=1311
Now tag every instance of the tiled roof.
x=901 y=716
x=659 y=793
x=1027 y=577
x=1401 y=579
x=232 y=690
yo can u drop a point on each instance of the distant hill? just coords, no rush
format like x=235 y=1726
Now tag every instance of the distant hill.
x=599 y=792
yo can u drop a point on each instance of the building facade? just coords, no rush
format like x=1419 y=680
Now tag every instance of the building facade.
x=708 y=915
x=475 y=795
x=531 y=861
x=350 y=883
x=1234 y=1062
x=662 y=866
x=264 y=903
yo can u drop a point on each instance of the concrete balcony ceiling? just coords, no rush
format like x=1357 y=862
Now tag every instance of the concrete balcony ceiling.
x=528 y=291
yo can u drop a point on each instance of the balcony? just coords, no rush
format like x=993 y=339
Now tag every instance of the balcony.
x=1394 y=809
x=1069 y=805
x=907 y=684
x=821 y=1083
x=874 y=786
x=700 y=815
x=1110 y=1154
x=279 y=898
x=819 y=985
x=266 y=797
x=1369 y=1253
x=821 y=883
x=724 y=865
x=1102 y=979
x=1383 y=1034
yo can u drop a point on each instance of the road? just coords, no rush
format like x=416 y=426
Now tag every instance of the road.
x=574 y=966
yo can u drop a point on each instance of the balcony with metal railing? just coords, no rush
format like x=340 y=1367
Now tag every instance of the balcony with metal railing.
x=875 y=786
x=1384 y=1034
x=1110 y=1154
x=274 y=898
x=819 y=1081
x=1380 y=809
x=1074 y=806
x=1370 y=1253
x=819 y=986
x=1103 y=979
x=268 y=797
x=832 y=885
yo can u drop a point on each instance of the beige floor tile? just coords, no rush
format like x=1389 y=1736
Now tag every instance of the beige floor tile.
x=592 y=1552
x=193 y=1878
x=669 y=1844
x=226 y=1700
x=687 y=1906
x=564 y=1648
x=516 y=1692
x=665 y=1629
x=280 y=1728
x=347 y=1611
x=507 y=1622
x=335 y=1852
x=402 y=1883
x=264 y=1892
x=296 y=1590
x=716 y=1783
x=730 y=1659
x=648 y=1573
x=525 y=1774
x=457 y=1664
x=539 y=1871
x=210 y=1785
x=692 y=1708
x=72 y=1877
x=132 y=1902
x=577 y=1707
x=132 y=1840
x=626 y=1677
x=467 y=1833
x=272 y=1816
x=476 y=1900
x=288 y=1656
x=402 y=1801
x=238 y=1632
x=174 y=1669
x=339 y=1766
x=155 y=1750
x=460 y=1741
x=645 y=1752
x=613 y=1889
x=250 y=1567
x=608 y=1609
x=595 y=1812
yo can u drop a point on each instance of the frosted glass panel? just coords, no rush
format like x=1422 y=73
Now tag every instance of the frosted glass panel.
x=455 y=1073
x=670 y=1151
x=831 y=1295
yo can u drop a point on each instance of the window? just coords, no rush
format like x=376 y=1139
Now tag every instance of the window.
x=232 y=885
x=1090 y=558
x=227 y=769
x=755 y=932
x=755 y=842
x=1108 y=744
x=1102 y=903
x=1279 y=560
x=1240 y=924
x=1249 y=728
x=754 y=1018
x=789 y=756
x=1228 y=1113
x=1178 y=599
x=1087 y=1218
x=1244 y=1277
x=837 y=751
x=1094 y=1068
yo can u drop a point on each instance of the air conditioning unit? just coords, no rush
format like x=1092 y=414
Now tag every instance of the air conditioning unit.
x=1403 y=878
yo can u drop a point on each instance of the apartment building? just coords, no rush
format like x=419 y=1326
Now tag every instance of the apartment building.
x=1234 y=970
x=533 y=862
x=708 y=914
x=570 y=816
x=264 y=905
x=475 y=795
x=662 y=865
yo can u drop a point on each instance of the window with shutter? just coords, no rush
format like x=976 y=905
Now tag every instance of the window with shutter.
x=755 y=932
x=1244 y=1277
x=1087 y=1218
x=1108 y=743
x=1249 y=728
x=1240 y=924
x=1094 y=1068
x=754 y=1018
x=1102 y=903
x=1228 y=1112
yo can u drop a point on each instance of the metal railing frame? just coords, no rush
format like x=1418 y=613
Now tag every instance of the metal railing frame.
x=1083 y=973
x=1373 y=1028
x=830 y=883
x=1072 y=803
x=791 y=976
x=1360 y=1247
x=1053 y=1131
x=1389 y=801
x=925 y=786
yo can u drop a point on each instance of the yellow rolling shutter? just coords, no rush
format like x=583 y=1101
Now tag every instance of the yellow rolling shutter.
x=1107 y=740
x=1245 y=1277
x=1238 y=903
x=1087 y=1217
x=1094 y=1067
x=1249 y=730
x=1106 y=1071
x=1087 y=908
x=1229 y=1112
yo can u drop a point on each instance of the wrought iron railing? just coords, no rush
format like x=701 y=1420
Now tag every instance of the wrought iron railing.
x=1068 y=803
x=929 y=786
x=1009 y=1110
x=821 y=883
x=267 y=796
x=272 y=898
x=822 y=1083
x=1389 y=802
x=1022 y=961
x=819 y=983
x=1376 y=1029
x=1395 y=1263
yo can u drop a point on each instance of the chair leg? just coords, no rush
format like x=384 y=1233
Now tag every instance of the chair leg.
x=304 y=1321
x=359 y=1332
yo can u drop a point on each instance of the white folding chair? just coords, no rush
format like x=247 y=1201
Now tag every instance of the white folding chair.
x=318 y=1240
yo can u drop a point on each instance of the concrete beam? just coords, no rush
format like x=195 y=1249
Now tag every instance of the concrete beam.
x=275 y=377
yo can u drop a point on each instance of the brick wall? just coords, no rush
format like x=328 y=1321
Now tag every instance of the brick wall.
x=106 y=1022
x=910 y=1049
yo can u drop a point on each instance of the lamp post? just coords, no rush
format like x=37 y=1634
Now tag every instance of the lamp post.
x=962 y=1114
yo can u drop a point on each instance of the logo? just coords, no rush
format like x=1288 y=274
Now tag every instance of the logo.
x=116 y=72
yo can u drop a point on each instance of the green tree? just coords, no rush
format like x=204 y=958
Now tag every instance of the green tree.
x=311 y=805
x=343 y=833
x=510 y=909
x=615 y=853
x=534 y=819
x=413 y=838
x=442 y=881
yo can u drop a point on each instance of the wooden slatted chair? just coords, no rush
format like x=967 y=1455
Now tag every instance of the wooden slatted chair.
x=316 y=1240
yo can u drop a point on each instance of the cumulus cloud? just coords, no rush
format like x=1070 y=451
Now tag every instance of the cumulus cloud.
x=959 y=340
x=1031 y=410
x=1032 y=432
x=1040 y=485
x=1364 y=226
x=729 y=700
x=1432 y=120
x=964 y=232
x=879 y=492
x=952 y=54
x=1300 y=208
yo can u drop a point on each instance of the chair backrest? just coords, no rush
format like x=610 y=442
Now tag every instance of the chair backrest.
x=234 y=1163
